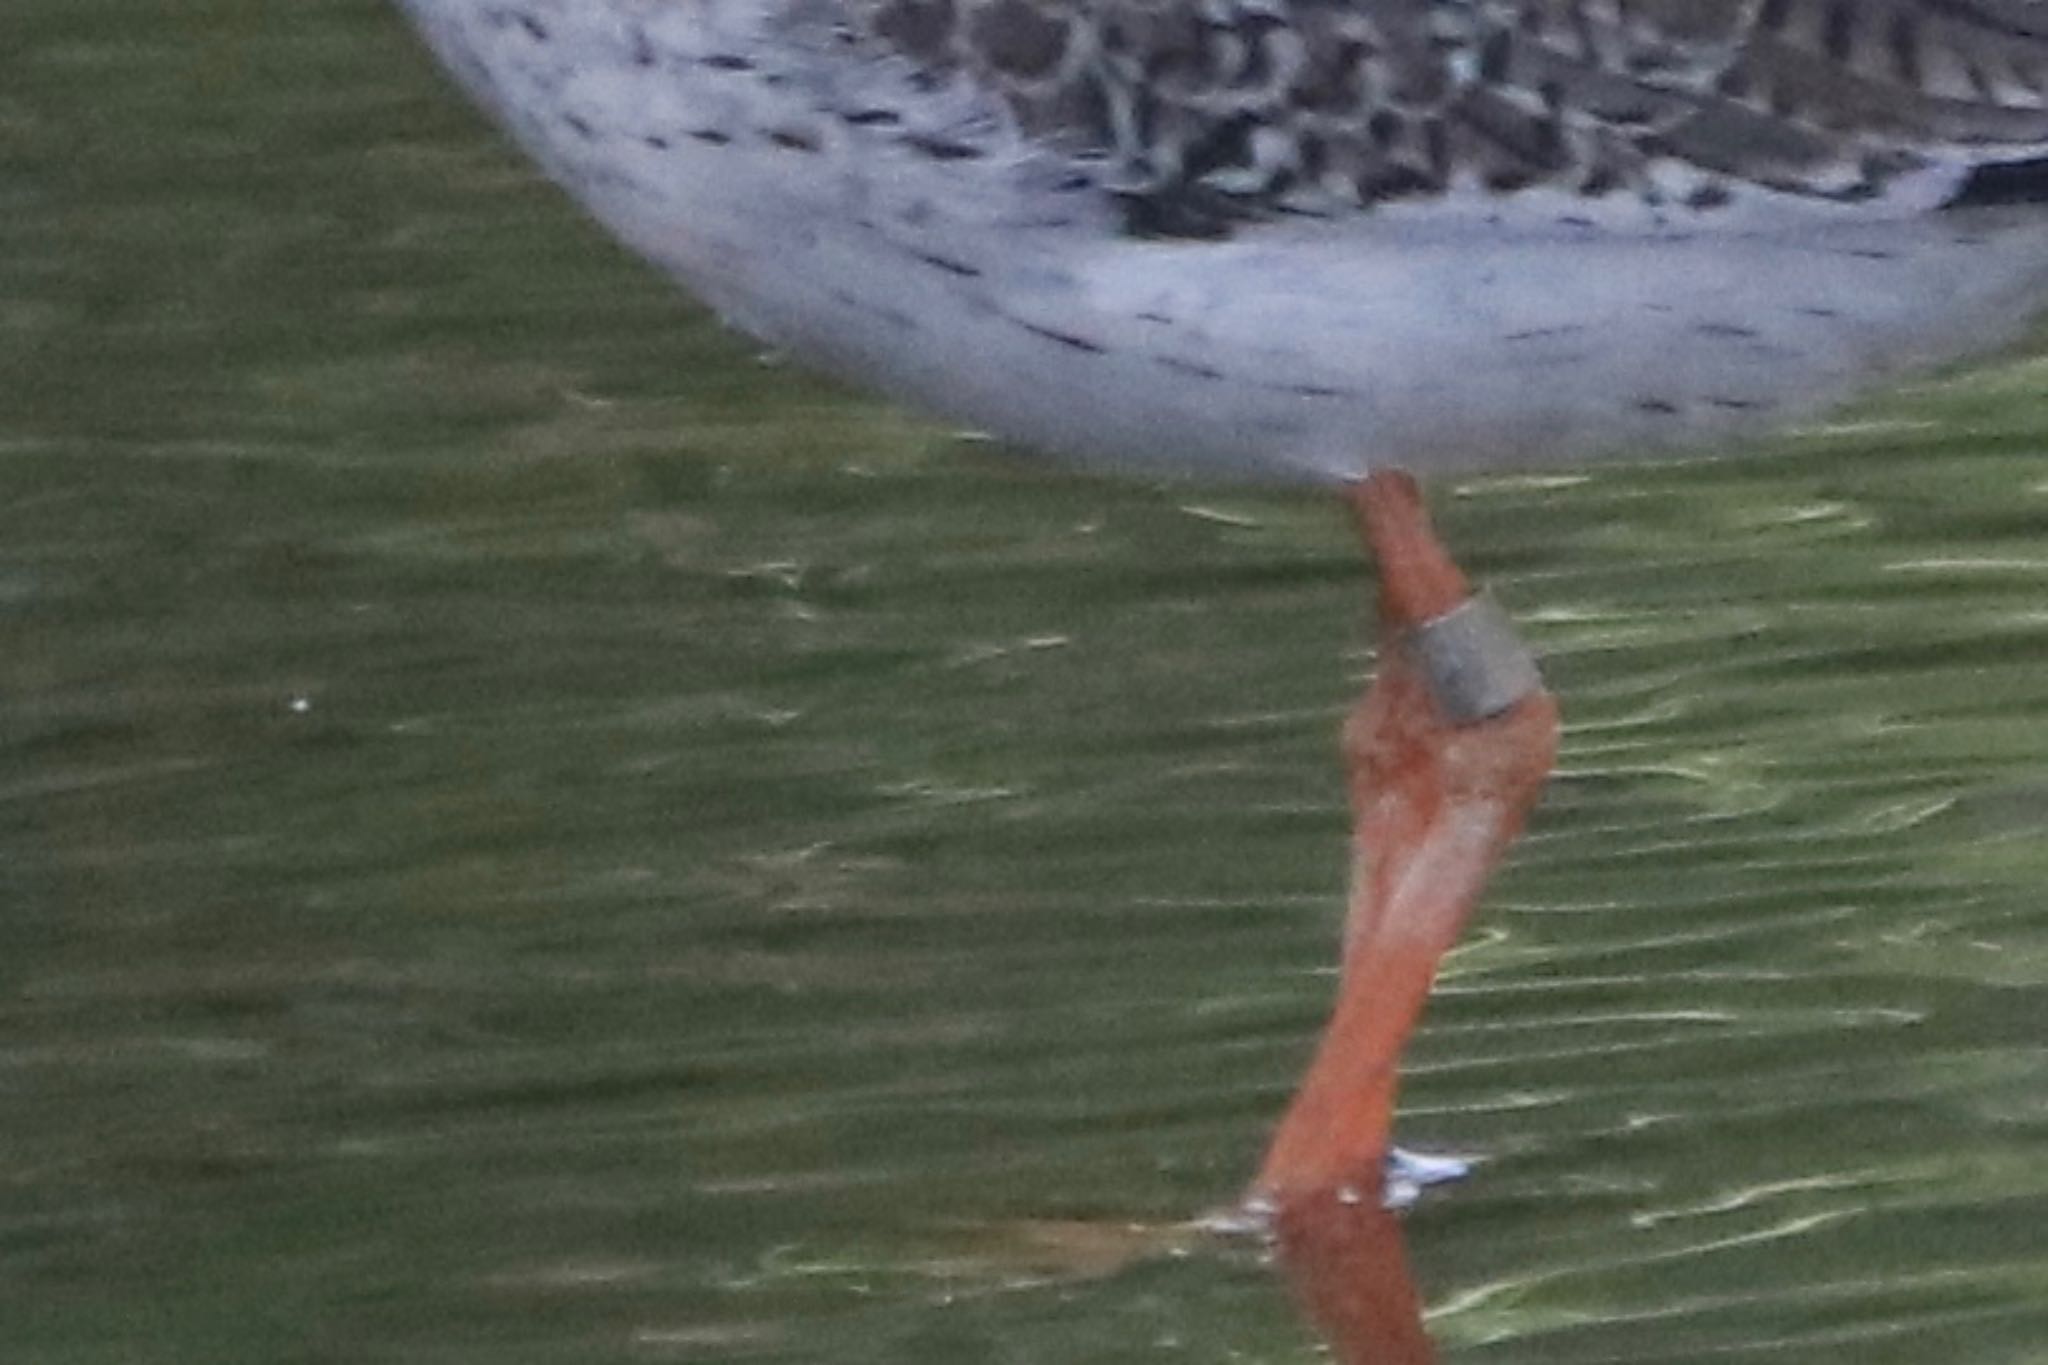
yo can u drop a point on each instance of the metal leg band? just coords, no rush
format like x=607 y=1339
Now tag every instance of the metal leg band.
x=1476 y=664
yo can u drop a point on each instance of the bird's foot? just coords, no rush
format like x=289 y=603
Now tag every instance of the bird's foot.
x=1404 y=1175
x=1407 y=1174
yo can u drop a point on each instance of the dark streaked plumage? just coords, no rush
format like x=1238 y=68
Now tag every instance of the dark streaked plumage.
x=1314 y=104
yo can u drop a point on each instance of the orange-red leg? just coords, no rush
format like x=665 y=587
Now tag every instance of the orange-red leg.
x=1438 y=792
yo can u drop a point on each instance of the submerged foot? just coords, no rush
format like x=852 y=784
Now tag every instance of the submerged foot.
x=1404 y=1175
x=1407 y=1174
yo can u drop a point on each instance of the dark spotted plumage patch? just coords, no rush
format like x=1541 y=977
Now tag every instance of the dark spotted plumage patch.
x=1019 y=38
x=2012 y=182
x=1199 y=112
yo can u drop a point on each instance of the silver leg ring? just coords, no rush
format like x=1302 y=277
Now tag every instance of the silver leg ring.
x=1476 y=664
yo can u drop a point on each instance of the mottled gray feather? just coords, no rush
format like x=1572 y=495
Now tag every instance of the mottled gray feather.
x=1194 y=107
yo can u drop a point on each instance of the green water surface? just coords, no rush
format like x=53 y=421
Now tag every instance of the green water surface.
x=530 y=834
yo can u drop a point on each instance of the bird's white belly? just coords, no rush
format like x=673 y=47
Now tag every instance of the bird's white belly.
x=1300 y=348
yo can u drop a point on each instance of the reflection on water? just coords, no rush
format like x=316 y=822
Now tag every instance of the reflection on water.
x=1348 y=1265
x=527 y=836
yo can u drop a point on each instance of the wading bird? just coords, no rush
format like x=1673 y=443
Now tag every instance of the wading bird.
x=1326 y=241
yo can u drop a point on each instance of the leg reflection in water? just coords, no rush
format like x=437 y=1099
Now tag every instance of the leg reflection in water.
x=1345 y=1260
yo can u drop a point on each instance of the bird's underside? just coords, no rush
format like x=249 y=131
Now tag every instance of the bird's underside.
x=1201 y=110
x=1307 y=238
